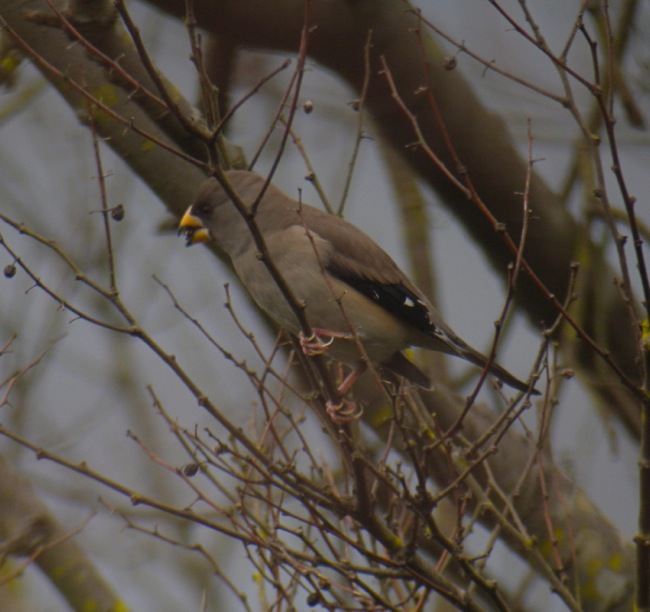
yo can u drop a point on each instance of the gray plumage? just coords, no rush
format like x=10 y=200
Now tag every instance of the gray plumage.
x=385 y=309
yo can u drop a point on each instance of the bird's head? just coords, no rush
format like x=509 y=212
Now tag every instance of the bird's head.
x=198 y=218
x=213 y=217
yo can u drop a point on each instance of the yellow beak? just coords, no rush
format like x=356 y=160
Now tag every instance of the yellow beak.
x=193 y=229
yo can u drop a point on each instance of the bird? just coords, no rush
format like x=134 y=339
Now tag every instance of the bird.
x=351 y=290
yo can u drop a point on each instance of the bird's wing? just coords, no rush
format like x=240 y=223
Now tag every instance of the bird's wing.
x=358 y=261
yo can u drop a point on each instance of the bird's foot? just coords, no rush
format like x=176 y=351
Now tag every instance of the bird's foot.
x=314 y=344
x=345 y=411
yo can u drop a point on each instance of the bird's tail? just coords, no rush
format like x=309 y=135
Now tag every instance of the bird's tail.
x=442 y=338
x=473 y=356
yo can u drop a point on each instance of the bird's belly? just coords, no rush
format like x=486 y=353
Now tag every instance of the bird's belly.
x=330 y=306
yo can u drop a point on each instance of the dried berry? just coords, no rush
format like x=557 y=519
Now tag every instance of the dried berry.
x=191 y=469
x=450 y=62
x=313 y=599
x=117 y=212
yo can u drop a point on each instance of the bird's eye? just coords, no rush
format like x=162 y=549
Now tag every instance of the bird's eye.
x=204 y=211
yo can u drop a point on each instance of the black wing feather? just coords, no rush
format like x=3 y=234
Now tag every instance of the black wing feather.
x=396 y=299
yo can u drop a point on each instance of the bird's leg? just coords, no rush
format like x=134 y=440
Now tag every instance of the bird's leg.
x=346 y=411
x=315 y=345
x=351 y=378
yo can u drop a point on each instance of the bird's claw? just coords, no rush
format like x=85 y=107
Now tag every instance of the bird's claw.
x=345 y=411
x=314 y=344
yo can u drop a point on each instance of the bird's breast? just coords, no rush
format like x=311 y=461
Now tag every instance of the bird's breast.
x=330 y=304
